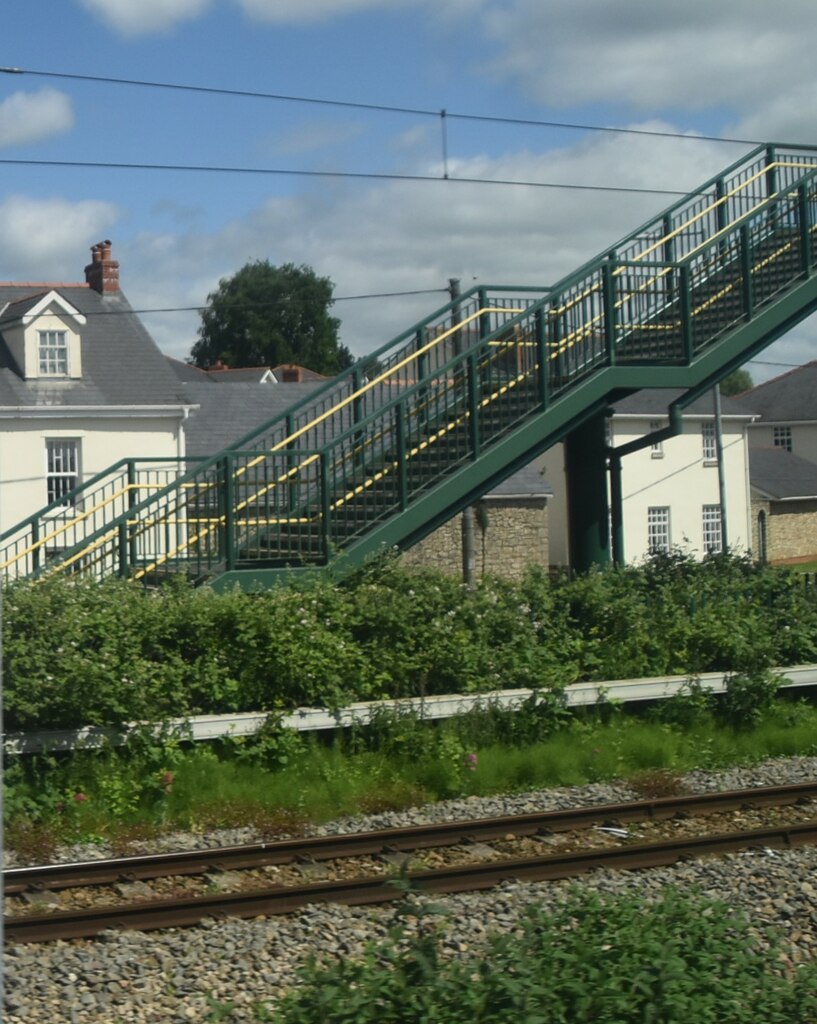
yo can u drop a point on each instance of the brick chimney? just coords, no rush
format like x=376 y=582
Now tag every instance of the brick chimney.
x=102 y=273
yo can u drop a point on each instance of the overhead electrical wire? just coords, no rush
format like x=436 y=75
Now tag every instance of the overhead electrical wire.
x=262 y=305
x=375 y=107
x=362 y=175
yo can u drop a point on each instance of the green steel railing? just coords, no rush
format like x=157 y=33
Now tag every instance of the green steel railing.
x=81 y=512
x=360 y=451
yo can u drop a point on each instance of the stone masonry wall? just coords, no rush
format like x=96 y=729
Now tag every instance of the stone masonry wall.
x=791 y=529
x=508 y=537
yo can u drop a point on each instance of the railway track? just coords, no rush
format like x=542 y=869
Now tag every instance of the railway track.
x=187 y=910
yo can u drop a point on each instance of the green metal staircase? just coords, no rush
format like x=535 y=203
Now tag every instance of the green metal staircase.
x=458 y=402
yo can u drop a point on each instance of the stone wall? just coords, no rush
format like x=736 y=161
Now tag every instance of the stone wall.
x=791 y=529
x=509 y=535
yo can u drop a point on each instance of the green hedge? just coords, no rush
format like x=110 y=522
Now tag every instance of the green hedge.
x=78 y=653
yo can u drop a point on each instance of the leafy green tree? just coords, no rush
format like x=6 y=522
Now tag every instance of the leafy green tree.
x=736 y=382
x=265 y=315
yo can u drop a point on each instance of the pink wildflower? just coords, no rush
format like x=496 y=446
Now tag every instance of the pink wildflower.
x=471 y=761
x=80 y=797
x=167 y=781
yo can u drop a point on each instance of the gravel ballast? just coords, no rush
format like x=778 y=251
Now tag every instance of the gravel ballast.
x=172 y=975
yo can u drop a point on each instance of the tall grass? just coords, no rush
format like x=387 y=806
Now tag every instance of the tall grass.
x=280 y=784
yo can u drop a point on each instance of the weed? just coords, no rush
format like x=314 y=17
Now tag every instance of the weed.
x=656 y=783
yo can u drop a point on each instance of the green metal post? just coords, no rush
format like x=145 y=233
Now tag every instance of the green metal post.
x=402 y=465
x=669 y=255
x=229 y=512
x=422 y=373
x=746 y=271
x=555 y=340
x=721 y=211
x=686 y=315
x=123 y=550
x=803 y=216
x=586 y=464
x=540 y=328
x=485 y=318
x=608 y=285
x=133 y=499
x=325 y=506
x=771 y=173
x=722 y=217
x=473 y=406
x=357 y=415
x=292 y=461
x=37 y=552
x=616 y=510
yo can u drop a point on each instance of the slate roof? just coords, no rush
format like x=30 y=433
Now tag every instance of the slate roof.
x=121 y=364
x=226 y=414
x=527 y=482
x=779 y=475
x=239 y=375
x=656 y=402
x=789 y=398
x=188 y=372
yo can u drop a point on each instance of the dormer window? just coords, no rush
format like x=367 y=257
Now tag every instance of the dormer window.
x=53 y=353
x=43 y=335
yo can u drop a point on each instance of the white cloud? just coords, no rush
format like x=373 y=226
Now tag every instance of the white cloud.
x=50 y=239
x=32 y=116
x=311 y=136
x=143 y=17
x=402 y=236
x=306 y=11
x=746 y=54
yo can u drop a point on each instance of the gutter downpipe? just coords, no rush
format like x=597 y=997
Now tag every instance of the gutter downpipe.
x=615 y=456
x=716 y=392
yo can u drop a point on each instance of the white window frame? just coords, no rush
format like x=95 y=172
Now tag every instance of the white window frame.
x=659 y=537
x=781 y=437
x=712 y=529
x=52 y=353
x=709 y=445
x=62 y=468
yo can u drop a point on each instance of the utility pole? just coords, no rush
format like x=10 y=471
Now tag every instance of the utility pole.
x=469 y=558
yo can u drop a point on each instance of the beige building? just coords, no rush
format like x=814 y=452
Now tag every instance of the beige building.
x=670 y=490
x=783 y=442
x=82 y=386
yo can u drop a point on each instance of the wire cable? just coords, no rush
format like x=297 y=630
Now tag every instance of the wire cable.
x=264 y=305
x=376 y=107
x=359 y=175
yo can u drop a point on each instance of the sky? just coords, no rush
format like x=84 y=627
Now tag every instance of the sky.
x=354 y=122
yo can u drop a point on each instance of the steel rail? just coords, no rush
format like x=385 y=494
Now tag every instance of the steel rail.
x=360 y=844
x=155 y=914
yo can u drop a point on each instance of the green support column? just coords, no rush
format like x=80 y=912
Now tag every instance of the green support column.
x=616 y=511
x=586 y=465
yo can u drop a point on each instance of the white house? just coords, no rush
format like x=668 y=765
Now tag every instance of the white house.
x=82 y=385
x=670 y=490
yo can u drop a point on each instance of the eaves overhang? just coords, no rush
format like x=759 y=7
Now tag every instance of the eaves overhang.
x=108 y=411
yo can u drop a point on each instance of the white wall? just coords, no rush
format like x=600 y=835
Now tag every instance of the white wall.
x=803 y=438
x=678 y=479
x=103 y=441
x=681 y=480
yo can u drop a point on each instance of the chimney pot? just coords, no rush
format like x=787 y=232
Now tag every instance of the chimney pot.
x=102 y=273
